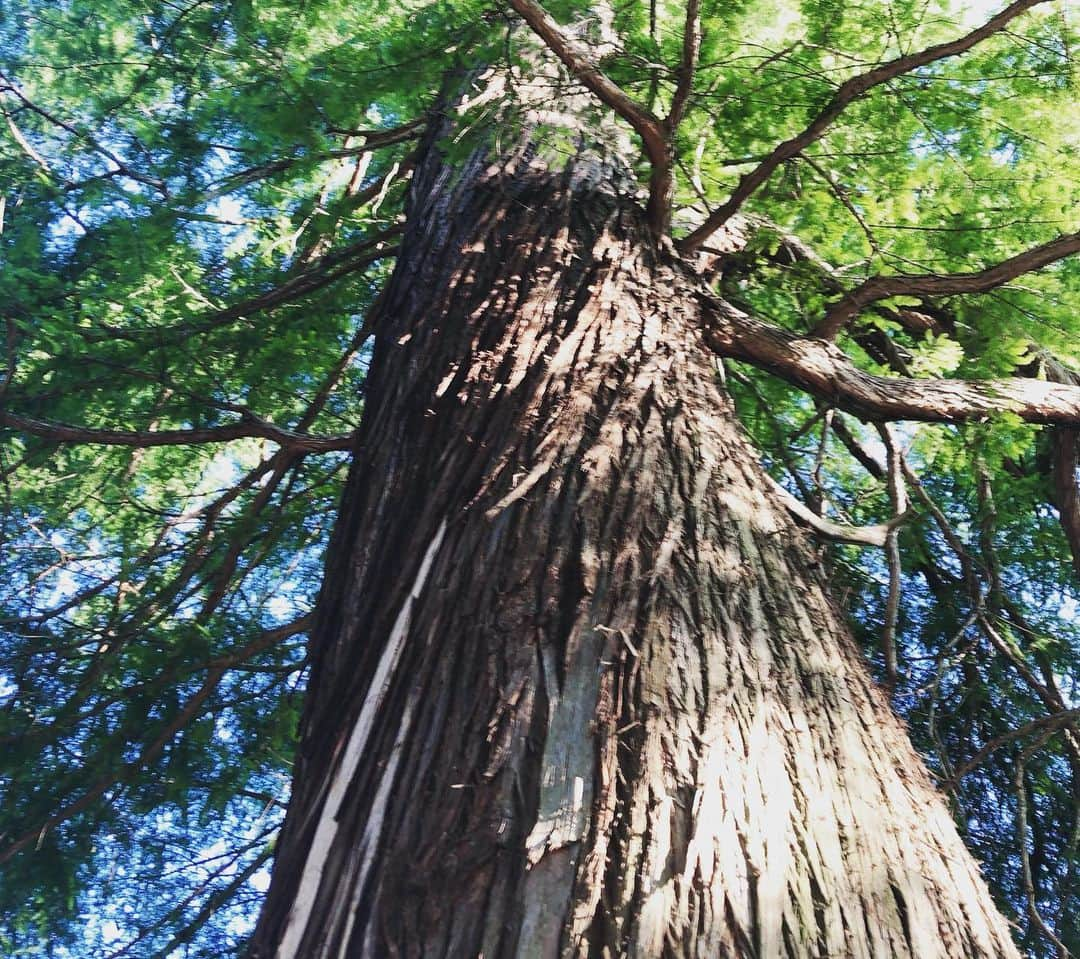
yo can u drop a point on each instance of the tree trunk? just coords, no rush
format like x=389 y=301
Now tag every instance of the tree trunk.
x=576 y=686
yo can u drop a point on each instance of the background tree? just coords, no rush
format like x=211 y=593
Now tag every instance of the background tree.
x=201 y=206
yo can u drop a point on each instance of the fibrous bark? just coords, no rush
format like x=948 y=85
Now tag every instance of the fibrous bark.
x=577 y=689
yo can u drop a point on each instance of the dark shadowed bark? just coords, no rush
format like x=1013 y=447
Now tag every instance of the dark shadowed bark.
x=577 y=688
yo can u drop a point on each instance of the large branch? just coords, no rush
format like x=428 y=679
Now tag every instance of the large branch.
x=647 y=125
x=248 y=427
x=849 y=91
x=944 y=284
x=1064 y=440
x=821 y=368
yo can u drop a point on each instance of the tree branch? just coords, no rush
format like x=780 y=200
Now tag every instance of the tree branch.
x=251 y=426
x=943 y=284
x=122 y=168
x=216 y=671
x=373 y=140
x=1064 y=441
x=327 y=269
x=1052 y=722
x=685 y=84
x=865 y=458
x=838 y=532
x=849 y=91
x=651 y=130
x=824 y=370
x=1022 y=846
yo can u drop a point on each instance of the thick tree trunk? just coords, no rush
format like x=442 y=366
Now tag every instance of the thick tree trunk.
x=576 y=687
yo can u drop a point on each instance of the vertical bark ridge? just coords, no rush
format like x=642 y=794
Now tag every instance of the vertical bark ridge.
x=605 y=706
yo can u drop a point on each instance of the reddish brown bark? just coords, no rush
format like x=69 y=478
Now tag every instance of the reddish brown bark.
x=577 y=689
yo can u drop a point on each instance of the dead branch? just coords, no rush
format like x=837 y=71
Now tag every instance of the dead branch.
x=838 y=532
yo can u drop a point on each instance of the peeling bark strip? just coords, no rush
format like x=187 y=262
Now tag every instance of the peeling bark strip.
x=326 y=830
x=604 y=705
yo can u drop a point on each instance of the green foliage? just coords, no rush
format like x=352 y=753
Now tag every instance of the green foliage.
x=200 y=204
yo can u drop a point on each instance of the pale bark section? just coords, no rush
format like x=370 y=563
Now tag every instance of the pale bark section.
x=326 y=829
x=623 y=719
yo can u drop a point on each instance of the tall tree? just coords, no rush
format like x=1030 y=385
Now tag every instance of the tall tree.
x=575 y=684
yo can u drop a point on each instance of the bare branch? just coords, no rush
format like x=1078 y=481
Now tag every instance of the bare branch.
x=943 y=284
x=824 y=370
x=1022 y=845
x=793 y=249
x=1064 y=441
x=838 y=532
x=898 y=499
x=849 y=91
x=1052 y=722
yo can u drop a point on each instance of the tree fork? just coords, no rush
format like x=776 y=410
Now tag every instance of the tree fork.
x=577 y=689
